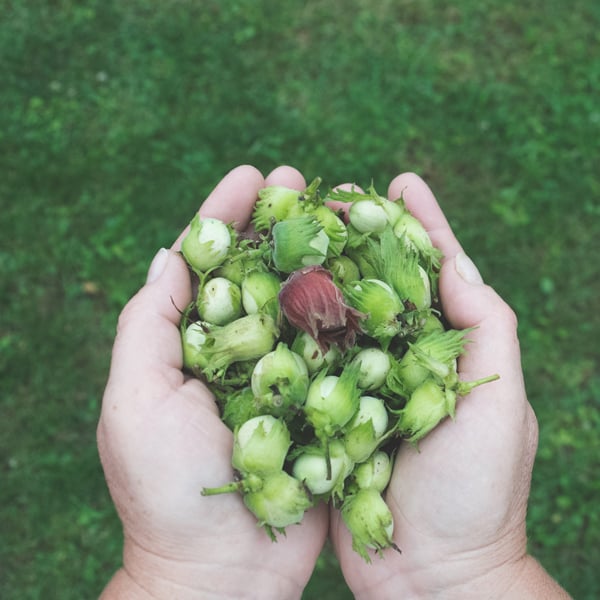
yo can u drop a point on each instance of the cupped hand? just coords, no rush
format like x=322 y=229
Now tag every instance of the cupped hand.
x=161 y=441
x=458 y=500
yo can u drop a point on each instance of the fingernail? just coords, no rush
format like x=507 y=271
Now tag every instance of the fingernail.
x=159 y=262
x=466 y=268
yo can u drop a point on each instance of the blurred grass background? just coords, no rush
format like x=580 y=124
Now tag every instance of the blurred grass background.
x=117 y=119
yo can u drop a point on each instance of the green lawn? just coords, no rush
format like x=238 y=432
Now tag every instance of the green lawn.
x=116 y=120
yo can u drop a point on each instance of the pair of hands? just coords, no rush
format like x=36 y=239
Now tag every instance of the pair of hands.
x=459 y=503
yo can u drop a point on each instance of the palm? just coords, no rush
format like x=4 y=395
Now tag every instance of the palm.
x=181 y=446
x=460 y=493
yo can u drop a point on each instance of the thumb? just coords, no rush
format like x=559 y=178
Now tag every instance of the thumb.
x=468 y=303
x=147 y=350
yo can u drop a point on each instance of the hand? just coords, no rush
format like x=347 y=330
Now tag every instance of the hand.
x=161 y=441
x=459 y=500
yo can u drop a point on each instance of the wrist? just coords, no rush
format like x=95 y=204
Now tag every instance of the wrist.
x=441 y=572
x=521 y=579
x=123 y=587
x=531 y=581
x=146 y=576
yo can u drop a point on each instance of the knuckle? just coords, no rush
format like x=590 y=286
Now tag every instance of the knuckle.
x=128 y=314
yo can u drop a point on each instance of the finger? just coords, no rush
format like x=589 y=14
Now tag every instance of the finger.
x=349 y=187
x=234 y=197
x=232 y=200
x=344 y=206
x=147 y=353
x=468 y=302
x=421 y=202
x=286 y=176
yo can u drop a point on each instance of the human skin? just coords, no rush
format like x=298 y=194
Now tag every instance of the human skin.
x=161 y=441
x=459 y=501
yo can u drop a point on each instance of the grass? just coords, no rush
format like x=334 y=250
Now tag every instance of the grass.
x=116 y=120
